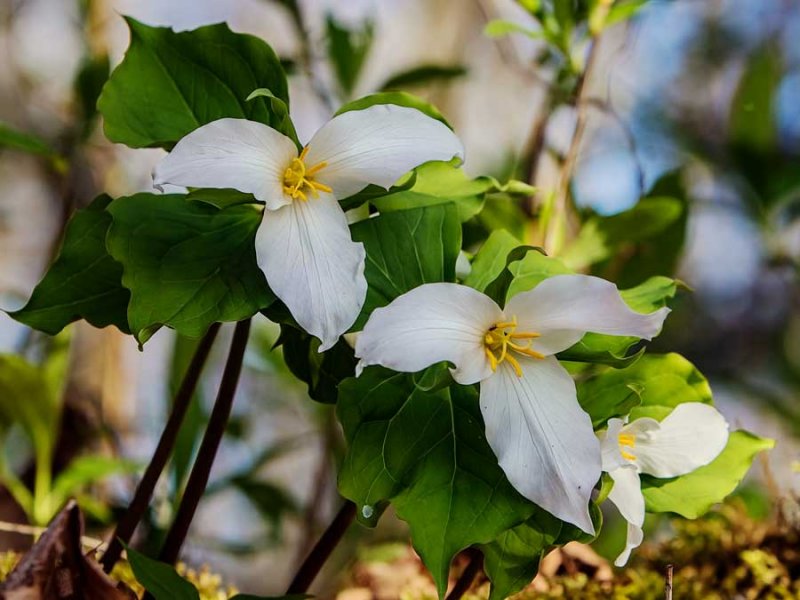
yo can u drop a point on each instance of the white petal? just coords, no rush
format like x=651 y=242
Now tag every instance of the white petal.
x=634 y=539
x=377 y=145
x=543 y=440
x=691 y=436
x=313 y=266
x=609 y=446
x=627 y=494
x=231 y=153
x=565 y=307
x=429 y=324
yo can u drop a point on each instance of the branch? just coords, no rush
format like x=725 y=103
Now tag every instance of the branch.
x=218 y=421
x=144 y=491
x=322 y=551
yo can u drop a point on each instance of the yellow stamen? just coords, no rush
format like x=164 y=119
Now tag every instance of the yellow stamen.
x=627 y=440
x=298 y=180
x=502 y=340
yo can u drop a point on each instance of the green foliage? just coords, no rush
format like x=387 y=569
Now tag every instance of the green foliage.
x=347 y=51
x=187 y=264
x=280 y=110
x=322 y=372
x=170 y=83
x=512 y=560
x=25 y=142
x=425 y=451
x=405 y=249
x=84 y=281
x=491 y=260
x=423 y=75
x=693 y=494
x=160 y=579
x=398 y=98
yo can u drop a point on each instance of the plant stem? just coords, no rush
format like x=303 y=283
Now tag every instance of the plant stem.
x=144 y=491
x=323 y=549
x=464 y=582
x=218 y=421
x=668 y=584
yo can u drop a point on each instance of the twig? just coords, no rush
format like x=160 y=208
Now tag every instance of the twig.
x=144 y=491
x=464 y=582
x=322 y=551
x=35 y=532
x=218 y=421
x=668 y=584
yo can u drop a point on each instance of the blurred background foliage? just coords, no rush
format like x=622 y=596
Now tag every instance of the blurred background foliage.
x=678 y=120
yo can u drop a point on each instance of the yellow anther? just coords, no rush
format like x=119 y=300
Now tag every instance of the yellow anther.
x=502 y=340
x=627 y=440
x=298 y=180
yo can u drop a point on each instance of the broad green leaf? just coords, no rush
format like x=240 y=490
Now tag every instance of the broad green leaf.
x=604 y=396
x=322 y=372
x=426 y=452
x=534 y=268
x=84 y=471
x=398 y=98
x=490 y=260
x=26 y=142
x=160 y=579
x=600 y=237
x=373 y=192
x=694 y=494
x=170 y=83
x=423 y=75
x=347 y=50
x=187 y=264
x=616 y=350
x=439 y=182
x=280 y=109
x=84 y=281
x=221 y=198
x=512 y=560
x=406 y=249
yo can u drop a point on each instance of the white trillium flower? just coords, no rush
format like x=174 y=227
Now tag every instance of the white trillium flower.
x=543 y=439
x=691 y=436
x=303 y=244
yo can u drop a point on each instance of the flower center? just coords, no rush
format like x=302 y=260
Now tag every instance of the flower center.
x=298 y=180
x=503 y=339
x=627 y=440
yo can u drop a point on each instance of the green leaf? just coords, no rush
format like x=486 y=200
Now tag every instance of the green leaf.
x=512 y=560
x=28 y=399
x=89 y=81
x=490 y=260
x=616 y=350
x=423 y=75
x=84 y=471
x=406 y=249
x=398 y=98
x=600 y=237
x=84 y=281
x=280 y=110
x=694 y=494
x=322 y=372
x=752 y=121
x=439 y=182
x=347 y=50
x=622 y=10
x=534 y=268
x=426 y=452
x=501 y=28
x=160 y=579
x=187 y=264
x=170 y=83
x=221 y=198
x=605 y=396
x=26 y=142
x=373 y=192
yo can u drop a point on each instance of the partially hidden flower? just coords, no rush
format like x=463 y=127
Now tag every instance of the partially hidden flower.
x=691 y=436
x=543 y=439
x=303 y=245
